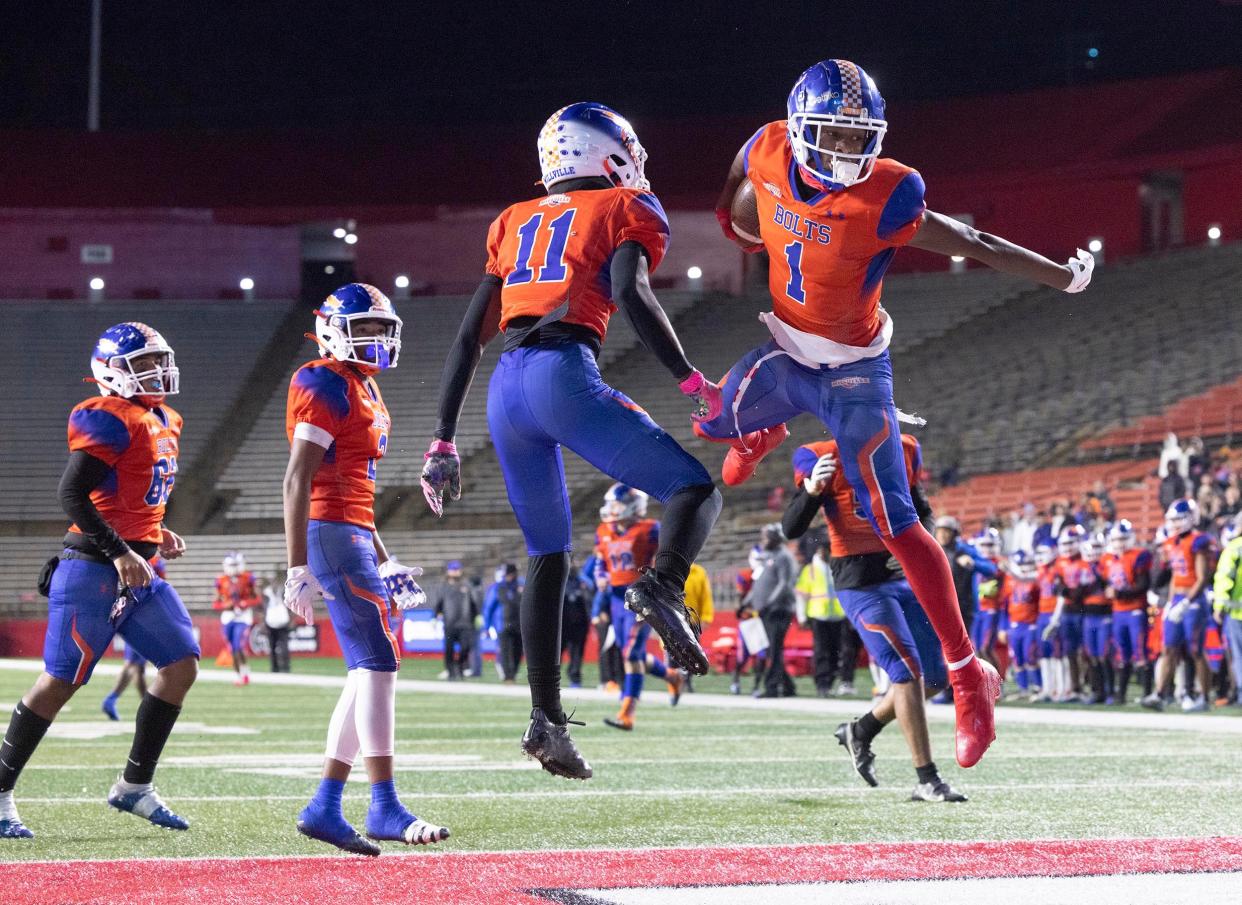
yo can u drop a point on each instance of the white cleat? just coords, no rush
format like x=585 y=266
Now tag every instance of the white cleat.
x=420 y=832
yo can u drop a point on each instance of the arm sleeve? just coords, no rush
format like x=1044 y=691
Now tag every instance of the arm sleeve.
x=641 y=219
x=903 y=211
x=481 y=323
x=82 y=475
x=799 y=514
x=921 y=505
x=632 y=294
x=984 y=567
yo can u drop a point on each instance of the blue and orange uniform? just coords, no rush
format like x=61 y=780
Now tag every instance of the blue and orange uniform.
x=236 y=597
x=1046 y=578
x=1097 y=625
x=1179 y=556
x=140 y=445
x=1129 y=576
x=989 y=618
x=1021 y=598
x=1073 y=577
x=334 y=405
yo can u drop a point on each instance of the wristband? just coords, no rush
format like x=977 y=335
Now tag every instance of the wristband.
x=441 y=448
x=693 y=383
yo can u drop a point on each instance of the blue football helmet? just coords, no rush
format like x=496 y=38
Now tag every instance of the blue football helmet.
x=588 y=139
x=1120 y=537
x=1070 y=541
x=988 y=542
x=355 y=302
x=1181 y=516
x=623 y=503
x=112 y=364
x=1093 y=546
x=1022 y=564
x=1045 y=554
x=835 y=94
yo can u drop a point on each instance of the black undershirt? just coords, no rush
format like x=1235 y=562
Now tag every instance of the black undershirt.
x=84 y=473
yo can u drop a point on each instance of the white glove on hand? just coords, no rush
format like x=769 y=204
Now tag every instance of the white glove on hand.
x=302 y=588
x=1175 y=611
x=817 y=482
x=402 y=588
x=1051 y=629
x=1080 y=266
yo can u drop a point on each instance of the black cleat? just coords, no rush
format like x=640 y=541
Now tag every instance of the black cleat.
x=936 y=791
x=550 y=744
x=664 y=609
x=619 y=723
x=860 y=753
x=338 y=833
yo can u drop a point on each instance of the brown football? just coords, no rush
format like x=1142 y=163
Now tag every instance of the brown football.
x=744 y=212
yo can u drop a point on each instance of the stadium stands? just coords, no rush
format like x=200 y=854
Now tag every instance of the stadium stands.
x=1215 y=413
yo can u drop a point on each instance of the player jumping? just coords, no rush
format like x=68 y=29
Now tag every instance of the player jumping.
x=123 y=448
x=557 y=269
x=338 y=428
x=832 y=214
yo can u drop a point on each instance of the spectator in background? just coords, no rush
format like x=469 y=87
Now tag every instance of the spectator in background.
x=502 y=614
x=1172 y=487
x=456 y=606
x=1060 y=518
x=611 y=666
x=1209 y=500
x=773 y=600
x=1231 y=506
x=699 y=603
x=1024 y=528
x=1195 y=461
x=819 y=609
x=967 y=566
x=276 y=618
x=1170 y=453
x=576 y=624
x=1043 y=533
x=1227 y=600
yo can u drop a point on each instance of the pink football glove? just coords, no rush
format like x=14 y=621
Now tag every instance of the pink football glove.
x=441 y=474
x=704 y=394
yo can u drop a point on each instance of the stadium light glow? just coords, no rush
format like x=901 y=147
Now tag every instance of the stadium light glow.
x=1095 y=246
x=246 y=284
x=956 y=259
x=402 y=281
x=351 y=238
x=1093 y=52
x=97 y=284
x=340 y=232
x=1214 y=233
x=695 y=273
x=328 y=268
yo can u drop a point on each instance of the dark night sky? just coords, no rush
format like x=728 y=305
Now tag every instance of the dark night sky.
x=225 y=65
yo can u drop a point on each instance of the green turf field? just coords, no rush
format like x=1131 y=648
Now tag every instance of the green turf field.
x=244 y=760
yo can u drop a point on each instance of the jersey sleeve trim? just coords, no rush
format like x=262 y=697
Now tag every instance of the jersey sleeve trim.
x=902 y=210
x=99 y=433
x=746 y=150
x=313 y=434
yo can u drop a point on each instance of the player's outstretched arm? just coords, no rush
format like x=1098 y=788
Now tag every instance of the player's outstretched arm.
x=632 y=293
x=947 y=236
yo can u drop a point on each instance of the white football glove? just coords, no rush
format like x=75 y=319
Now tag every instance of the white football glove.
x=1051 y=629
x=1080 y=266
x=302 y=588
x=817 y=482
x=1174 y=612
x=402 y=588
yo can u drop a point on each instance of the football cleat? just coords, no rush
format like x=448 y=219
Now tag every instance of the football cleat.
x=625 y=724
x=109 y=707
x=936 y=791
x=1195 y=705
x=143 y=801
x=740 y=462
x=976 y=687
x=860 y=753
x=550 y=744
x=677 y=680
x=664 y=609
x=14 y=829
x=334 y=830
x=1153 y=702
x=399 y=825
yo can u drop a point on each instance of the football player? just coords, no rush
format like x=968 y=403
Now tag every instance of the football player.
x=338 y=427
x=1097 y=622
x=832 y=214
x=1073 y=578
x=123 y=447
x=625 y=544
x=236 y=597
x=557 y=269
x=987 y=624
x=1053 y=670
x=1187 y=552
x=881 y=605
x=1020 y=599
x=1127 y=567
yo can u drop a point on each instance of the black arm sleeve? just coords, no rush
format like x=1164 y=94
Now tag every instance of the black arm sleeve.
x=800 y=513
x=480 y=324
x=82 y=475
x=921 y=506
x=1162 y=578
x=632 y=293
x=1143 y=583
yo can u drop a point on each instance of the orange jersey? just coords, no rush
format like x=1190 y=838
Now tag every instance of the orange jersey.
x=828 y=253
x=1123 y=574
x=623 y=554
x=235 y=591
x=849 y=532
x=1179 y=552
x=556 y=251
x=1096 y=597
x=141 y=446
x=334 y=405
x=1046 y=578
x=1021 y=598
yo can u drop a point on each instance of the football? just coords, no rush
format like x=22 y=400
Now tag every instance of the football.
x=744 y=212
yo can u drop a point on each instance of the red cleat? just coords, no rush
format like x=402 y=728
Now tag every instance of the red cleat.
x=976 y=688
x=740 y=463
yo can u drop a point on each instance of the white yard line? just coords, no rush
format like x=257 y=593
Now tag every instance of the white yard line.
x=1005 y=716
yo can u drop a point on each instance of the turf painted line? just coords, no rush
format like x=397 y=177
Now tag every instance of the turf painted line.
x=1057 y=872
x=1053 y=716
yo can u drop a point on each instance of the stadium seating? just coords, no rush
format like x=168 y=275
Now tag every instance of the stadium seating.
x=1215 y=413
x=47 y=346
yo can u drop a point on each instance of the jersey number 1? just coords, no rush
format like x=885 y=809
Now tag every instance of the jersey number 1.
x=553 y=269
x=793 y=257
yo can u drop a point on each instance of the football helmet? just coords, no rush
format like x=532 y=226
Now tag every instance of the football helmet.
x=835 y=94
x=234 y=563
x=1120 y=536
x=334 y=321
x=589 y=139
x=1045 y=554
x=1070 y=541
x=988 y=542
x=623 y=503
x=1093 y=547
x=1181 y=516
x=112 y=364
x=1022 y=564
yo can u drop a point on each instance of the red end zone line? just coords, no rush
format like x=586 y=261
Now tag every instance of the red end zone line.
x=504 y=877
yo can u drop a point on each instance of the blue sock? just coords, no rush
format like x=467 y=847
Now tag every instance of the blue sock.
x=657 y=668
x=1020 y=676
x=384 y=794
x=328 y=795
x=633 y=687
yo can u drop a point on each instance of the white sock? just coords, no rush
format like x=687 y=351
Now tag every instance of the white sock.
x=245 y=669
x=1045 y=676
x=375 y=715
x=342 y=728
x=8 y=809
